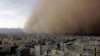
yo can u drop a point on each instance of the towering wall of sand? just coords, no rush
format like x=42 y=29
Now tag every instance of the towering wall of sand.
x=71 y=17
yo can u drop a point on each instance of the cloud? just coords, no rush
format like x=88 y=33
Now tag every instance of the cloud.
x=14 y=13
x=11 y=19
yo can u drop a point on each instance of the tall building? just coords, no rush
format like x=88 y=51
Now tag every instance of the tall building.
x=37 y=50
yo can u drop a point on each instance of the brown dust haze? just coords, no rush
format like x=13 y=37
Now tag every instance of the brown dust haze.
x=70 y=17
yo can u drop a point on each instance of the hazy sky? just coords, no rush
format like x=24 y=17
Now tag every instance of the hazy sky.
x=14 y=13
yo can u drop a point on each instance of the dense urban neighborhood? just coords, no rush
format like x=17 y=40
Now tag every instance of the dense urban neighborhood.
x=48 y=45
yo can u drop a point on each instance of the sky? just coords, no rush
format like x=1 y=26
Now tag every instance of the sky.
x=14 y=13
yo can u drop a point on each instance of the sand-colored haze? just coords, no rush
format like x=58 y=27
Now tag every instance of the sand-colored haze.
x=71 y=17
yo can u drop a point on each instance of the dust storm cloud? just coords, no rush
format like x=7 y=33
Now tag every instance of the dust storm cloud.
x=70 y=17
